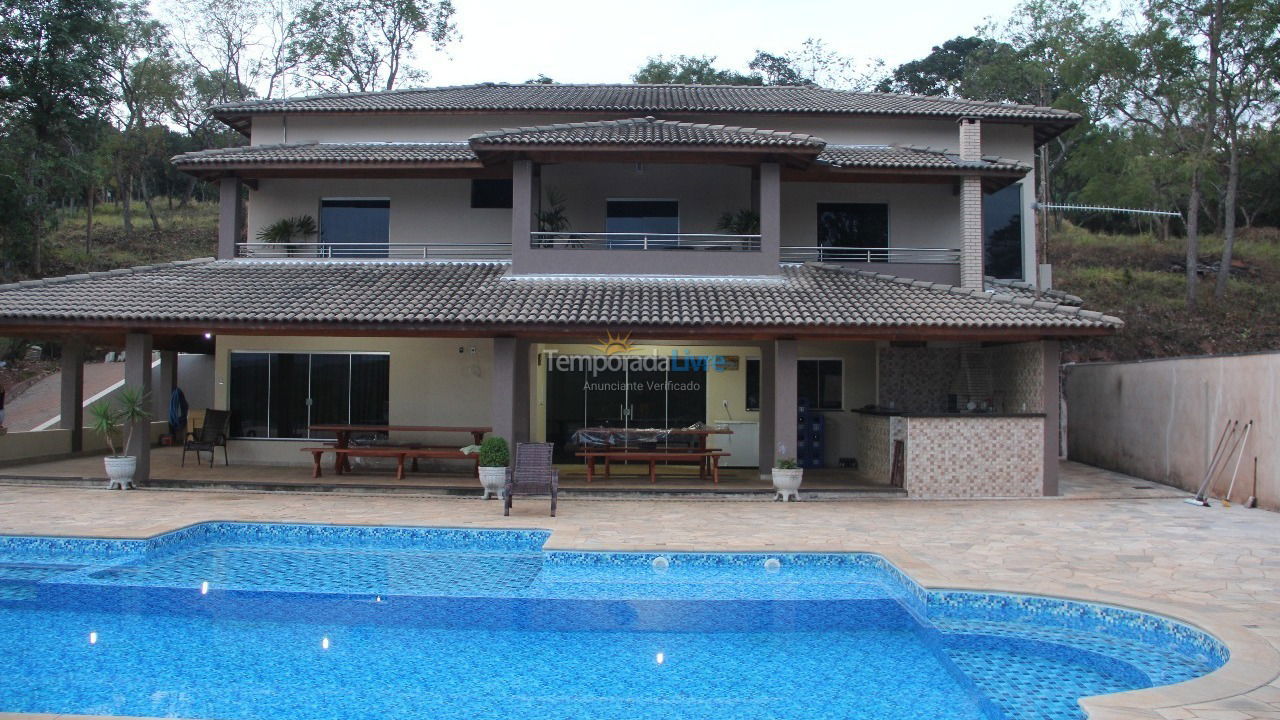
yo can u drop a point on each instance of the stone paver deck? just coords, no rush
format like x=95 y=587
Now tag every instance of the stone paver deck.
x=1218 y=568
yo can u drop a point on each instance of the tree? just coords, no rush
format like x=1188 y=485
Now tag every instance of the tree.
x=1249 y=70
x=366 y=45
x=52 y=86
x=815 y=63
x=689 y=70
x=941 y=72
x=145 y=76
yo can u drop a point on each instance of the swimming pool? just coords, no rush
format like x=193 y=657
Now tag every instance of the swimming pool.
x=243 y=621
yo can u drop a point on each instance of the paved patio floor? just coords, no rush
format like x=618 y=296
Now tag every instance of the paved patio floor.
x=1216 y=567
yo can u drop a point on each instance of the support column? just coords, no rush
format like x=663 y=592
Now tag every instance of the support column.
x=522 y=187
x=778 y=402
x=523 y=389
x=767 y=446
x=504 y=388
x=71 y=402
x=785 y=397
x=771 y=214
x=971 y=270
x=1052 y=393
x=137 y=374
x=230 y=217
x=167 y=382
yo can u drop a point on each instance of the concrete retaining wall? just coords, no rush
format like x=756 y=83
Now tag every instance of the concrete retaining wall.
x=1160 y=419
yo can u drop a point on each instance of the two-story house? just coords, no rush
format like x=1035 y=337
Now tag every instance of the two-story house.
x=544 y=258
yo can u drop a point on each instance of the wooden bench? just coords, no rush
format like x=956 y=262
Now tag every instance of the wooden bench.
x=702 y=458
x=399 y=453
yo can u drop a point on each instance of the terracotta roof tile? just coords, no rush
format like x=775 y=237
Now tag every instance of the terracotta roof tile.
x=648 y=99
x=442 y=294
x=645 y=131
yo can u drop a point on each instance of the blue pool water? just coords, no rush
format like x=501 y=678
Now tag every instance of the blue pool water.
x=247 y=621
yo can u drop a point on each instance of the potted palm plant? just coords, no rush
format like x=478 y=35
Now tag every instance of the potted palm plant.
x=107 y=419
x=494 y=457
x=287 y=231
x=787 y=475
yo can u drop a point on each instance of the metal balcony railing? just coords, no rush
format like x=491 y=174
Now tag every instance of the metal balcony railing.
x=375 y=251
x=645 y=241
x=929 y=256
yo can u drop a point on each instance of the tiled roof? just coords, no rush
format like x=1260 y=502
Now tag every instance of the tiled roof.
x=641 y=131
x=1018 y=288
x=223 y=293
x=910 y=157
x=386 y=153
x=647 y=99
x=646 y=131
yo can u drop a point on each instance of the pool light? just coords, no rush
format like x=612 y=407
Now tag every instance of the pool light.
x=204 y=588
x=324 y=643
x=93 y=638
x=660 y=658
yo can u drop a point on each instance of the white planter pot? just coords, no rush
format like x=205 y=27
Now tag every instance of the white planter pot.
x=494 y=479
x=786 y=483
x=120 y=469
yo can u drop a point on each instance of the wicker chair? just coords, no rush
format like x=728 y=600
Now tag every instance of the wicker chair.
x=213 y=433
x=532 y=474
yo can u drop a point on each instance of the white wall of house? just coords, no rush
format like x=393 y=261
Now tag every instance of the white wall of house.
x=421 y=210
x=704 y=192
x=920 y=215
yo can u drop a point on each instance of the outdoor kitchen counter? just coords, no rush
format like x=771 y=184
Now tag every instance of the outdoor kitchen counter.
x=953 y=455
x=973 y=415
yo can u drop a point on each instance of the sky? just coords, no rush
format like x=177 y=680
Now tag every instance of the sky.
x=582 y=41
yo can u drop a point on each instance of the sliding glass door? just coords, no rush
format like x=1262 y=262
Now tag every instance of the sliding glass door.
x=280 y=395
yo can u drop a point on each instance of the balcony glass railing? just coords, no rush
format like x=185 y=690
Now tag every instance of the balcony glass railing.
x=375 y=251
x=926 y=256
x=645 y=241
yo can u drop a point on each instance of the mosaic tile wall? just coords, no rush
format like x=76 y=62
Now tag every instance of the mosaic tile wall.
x=872 y=447
x=917 y=379
x=958 y=457
x=1019 y=373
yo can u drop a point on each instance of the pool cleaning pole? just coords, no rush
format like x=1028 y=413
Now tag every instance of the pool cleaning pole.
x=1202 y=494
x=1226 y=499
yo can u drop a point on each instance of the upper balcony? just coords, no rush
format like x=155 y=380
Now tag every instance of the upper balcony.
x=635 y=197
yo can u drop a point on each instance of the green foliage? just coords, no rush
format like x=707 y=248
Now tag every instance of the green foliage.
x=741 y=222
x=365 y=45
x=107 y=418
x=289 y=230
x=690 y=70
x=494 y=452
x=941 y=72
x=554 y=216
x=785 y=463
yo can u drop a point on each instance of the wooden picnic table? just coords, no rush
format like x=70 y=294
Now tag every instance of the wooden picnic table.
x=342 y=435
x=629 y=434
x=708 y=461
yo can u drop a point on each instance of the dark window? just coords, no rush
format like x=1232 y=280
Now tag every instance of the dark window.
x=250 y=393
x=753 y=384
x=355 y=228
x=280 y=395
x=491 y=193
x=820 y=384
x=1002 y=226
x=647 y=221
x=854 y=225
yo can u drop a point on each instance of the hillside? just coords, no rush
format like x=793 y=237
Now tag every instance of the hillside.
x=184 y=233
x=1141 y=280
